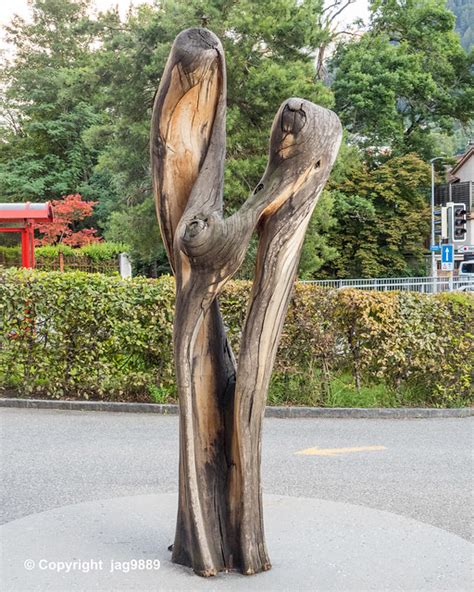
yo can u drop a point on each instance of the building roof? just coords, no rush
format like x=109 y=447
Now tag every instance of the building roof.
x=26 y=211
x=462 y=160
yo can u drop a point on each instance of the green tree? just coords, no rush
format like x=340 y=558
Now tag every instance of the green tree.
x=47 y=102
x=317 y=250
x=383 y=220
x=78 y=92
x=270 y=50
x=405 y=78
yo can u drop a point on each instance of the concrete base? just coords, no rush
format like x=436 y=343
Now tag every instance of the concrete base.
x=314 y=545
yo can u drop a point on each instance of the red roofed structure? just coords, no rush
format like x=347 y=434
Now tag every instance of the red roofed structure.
x=21 y=217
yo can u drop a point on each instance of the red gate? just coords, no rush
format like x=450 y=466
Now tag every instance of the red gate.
x=21 y=217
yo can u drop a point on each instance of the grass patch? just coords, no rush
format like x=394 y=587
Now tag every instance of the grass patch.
x=298 y=389
x=161 y=394
x=343 y=393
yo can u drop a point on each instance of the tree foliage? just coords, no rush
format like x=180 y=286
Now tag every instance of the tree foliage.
x=382 y=218
x=69 y=212
x=78 y=89
x=405 y=78
x=48 y=103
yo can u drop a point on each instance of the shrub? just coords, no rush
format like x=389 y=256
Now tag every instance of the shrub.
x=89 y=335
x=415 y=343
x=78 y=334
x=96 y=257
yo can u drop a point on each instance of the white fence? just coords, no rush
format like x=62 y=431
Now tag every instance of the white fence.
x=428 y=285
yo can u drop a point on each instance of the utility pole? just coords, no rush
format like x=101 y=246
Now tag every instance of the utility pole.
x=432 y=241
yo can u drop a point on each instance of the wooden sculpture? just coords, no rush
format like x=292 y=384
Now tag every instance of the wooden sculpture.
x=221 y=402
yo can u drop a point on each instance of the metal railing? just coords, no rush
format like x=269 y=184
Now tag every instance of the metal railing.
x=425 y=285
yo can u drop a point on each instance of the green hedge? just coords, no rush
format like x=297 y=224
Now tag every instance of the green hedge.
x=80 y=335
x=96 y=257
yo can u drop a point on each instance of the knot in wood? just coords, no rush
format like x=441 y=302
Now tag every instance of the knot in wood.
x=194 y=228
x=293 y=118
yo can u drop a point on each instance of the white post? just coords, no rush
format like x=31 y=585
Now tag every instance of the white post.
x=450 y=281
x=125 y=265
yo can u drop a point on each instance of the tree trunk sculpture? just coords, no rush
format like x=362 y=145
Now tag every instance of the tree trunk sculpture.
x=221 y=402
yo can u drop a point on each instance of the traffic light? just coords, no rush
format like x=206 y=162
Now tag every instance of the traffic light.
x=459 y=222
x=441 y=224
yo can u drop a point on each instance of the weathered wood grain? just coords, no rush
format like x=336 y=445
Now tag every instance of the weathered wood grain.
x=220 y=524
x=188 y=137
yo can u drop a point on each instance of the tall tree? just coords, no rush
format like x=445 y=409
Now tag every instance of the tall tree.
x=270 y=48
x=48 y=102
x=405 y=78
x=383 y=220
x=80 y=91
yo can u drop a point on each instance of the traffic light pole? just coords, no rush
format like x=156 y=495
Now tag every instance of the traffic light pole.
x=434 y=269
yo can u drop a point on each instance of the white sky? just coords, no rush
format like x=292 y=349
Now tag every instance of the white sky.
x=10 y=7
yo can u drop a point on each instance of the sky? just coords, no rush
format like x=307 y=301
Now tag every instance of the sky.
x=10 y=7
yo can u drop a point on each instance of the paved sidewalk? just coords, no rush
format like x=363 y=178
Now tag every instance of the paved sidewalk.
x=314 y=545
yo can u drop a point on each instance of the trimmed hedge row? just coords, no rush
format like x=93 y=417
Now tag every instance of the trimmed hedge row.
x=83 y=335
x=97 y=257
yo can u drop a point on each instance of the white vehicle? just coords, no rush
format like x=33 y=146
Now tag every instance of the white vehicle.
x=466 y=288
x=466 y=270
x=466 y=274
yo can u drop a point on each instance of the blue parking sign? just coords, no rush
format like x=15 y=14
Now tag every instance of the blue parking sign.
x=447 y=254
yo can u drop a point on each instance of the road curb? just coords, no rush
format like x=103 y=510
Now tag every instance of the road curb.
x=281 y=412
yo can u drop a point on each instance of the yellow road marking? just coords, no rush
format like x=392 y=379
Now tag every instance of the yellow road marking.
x=337 y=451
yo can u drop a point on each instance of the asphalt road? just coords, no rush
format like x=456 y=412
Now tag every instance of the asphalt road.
x=422 y=469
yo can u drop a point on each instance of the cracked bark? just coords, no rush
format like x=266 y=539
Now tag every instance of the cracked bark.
x=220 y=522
